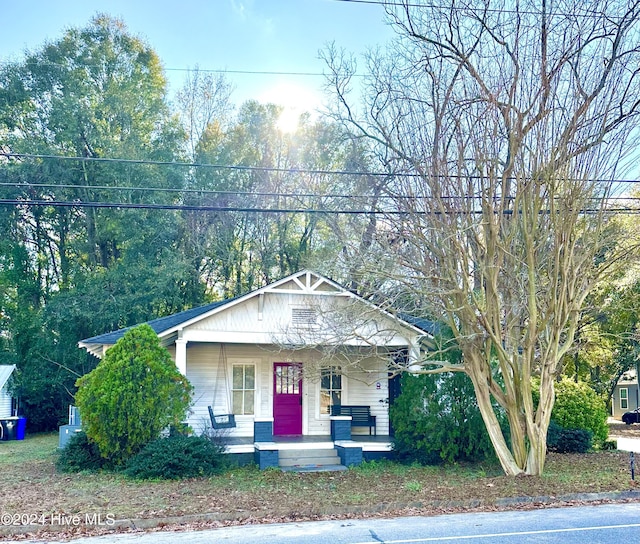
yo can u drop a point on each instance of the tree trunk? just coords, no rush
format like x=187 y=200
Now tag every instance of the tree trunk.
x=483 y=396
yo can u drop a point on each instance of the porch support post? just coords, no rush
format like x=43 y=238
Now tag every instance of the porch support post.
x=341 y=428
x=349 y=453
x=263 y=430
x=414 y=353
x=266 y=455
x=181 y=356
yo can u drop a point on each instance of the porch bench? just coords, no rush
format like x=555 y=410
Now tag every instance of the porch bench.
x=360 y=415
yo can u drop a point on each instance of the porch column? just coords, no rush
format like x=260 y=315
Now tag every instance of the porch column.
x=181 y=356
x=340 y=427
x=263 y=430
x=413 y=356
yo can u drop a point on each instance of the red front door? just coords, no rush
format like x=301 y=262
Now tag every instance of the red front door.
x=287 y=399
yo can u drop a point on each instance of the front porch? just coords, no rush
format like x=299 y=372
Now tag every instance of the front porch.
x=306 y=453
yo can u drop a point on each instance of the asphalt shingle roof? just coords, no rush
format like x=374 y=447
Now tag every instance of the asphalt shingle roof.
x=160 y=324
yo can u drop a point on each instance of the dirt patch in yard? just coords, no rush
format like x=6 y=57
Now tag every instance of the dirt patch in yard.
x=32 y=488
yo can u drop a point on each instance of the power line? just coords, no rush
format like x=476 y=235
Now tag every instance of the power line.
x=184 y=207
x=258 y=194
x=587 y=14
x=214 y=70
x=179 y=191
x=252 y=72
x=267 y=168
x=200 y=165
x=244 y=209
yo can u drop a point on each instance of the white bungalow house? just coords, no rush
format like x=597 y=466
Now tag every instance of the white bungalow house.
x=300 y=364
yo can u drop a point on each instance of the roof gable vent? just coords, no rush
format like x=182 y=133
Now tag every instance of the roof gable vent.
x=303 y=317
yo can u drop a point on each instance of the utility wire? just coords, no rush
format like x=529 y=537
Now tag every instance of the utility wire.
x=587 y=14
x=11 y=155
x=204 y=208
x=260 y=194
x=201 y=165
x=212 y=70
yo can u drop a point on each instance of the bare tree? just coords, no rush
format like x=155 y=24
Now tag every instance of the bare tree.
x=204 y=99
x=503 y=121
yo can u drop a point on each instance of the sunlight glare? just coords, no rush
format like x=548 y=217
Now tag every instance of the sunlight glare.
x=296 y=100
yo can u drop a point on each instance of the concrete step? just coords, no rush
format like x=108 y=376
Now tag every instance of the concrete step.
x=307 y=452
x=308 y=458
x=322 y=468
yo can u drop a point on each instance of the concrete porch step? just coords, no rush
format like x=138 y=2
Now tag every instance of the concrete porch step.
x=321 y=468
x=308 y=458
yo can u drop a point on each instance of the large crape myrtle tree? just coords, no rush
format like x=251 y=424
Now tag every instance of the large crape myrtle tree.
x=502 y=126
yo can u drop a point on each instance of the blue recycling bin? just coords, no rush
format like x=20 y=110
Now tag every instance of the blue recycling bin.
x=21 y=428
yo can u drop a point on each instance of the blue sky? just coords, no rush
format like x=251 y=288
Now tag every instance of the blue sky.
x=252 y=35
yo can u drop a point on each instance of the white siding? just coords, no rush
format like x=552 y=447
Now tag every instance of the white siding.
x=212 y=387
x=359 y=388
x=362 y=389
x=267 y=319
x=5 y=397
x=209 y=371
x=5 y=403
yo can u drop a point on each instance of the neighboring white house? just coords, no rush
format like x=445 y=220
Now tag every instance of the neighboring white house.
x=5 y=396
x=234 y=354
x=625 y=395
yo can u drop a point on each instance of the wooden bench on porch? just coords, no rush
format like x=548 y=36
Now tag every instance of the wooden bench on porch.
x=360 y=415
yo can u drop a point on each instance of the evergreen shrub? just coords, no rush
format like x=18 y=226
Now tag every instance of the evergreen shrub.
x=79 y=455
x=436 y=419
x=563 y=440
x=577 y=406
x=177 y=457
x=134 y=393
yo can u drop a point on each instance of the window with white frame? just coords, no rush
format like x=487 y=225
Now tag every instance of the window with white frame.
x=330 y=388
x=243 y=389
x=624 y=398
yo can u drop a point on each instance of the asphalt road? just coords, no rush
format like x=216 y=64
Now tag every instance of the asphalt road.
x=572 y=525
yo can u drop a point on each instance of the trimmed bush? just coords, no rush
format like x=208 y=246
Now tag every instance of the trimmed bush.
x=134 y=393
x=577 y=406
x=79 y=455
x=563 y=440
x=177 y=457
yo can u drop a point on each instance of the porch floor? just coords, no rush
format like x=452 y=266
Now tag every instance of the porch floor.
x=290 y=440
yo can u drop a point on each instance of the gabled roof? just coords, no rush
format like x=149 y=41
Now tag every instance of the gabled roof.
x=628 y=378
x=5 y=374
x=301 y=282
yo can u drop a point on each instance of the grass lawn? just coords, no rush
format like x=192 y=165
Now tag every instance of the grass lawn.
x=31 y=486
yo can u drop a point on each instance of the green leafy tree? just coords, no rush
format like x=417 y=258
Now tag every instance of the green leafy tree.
x=133 y=394
x=67 y=273
x=244 y=250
